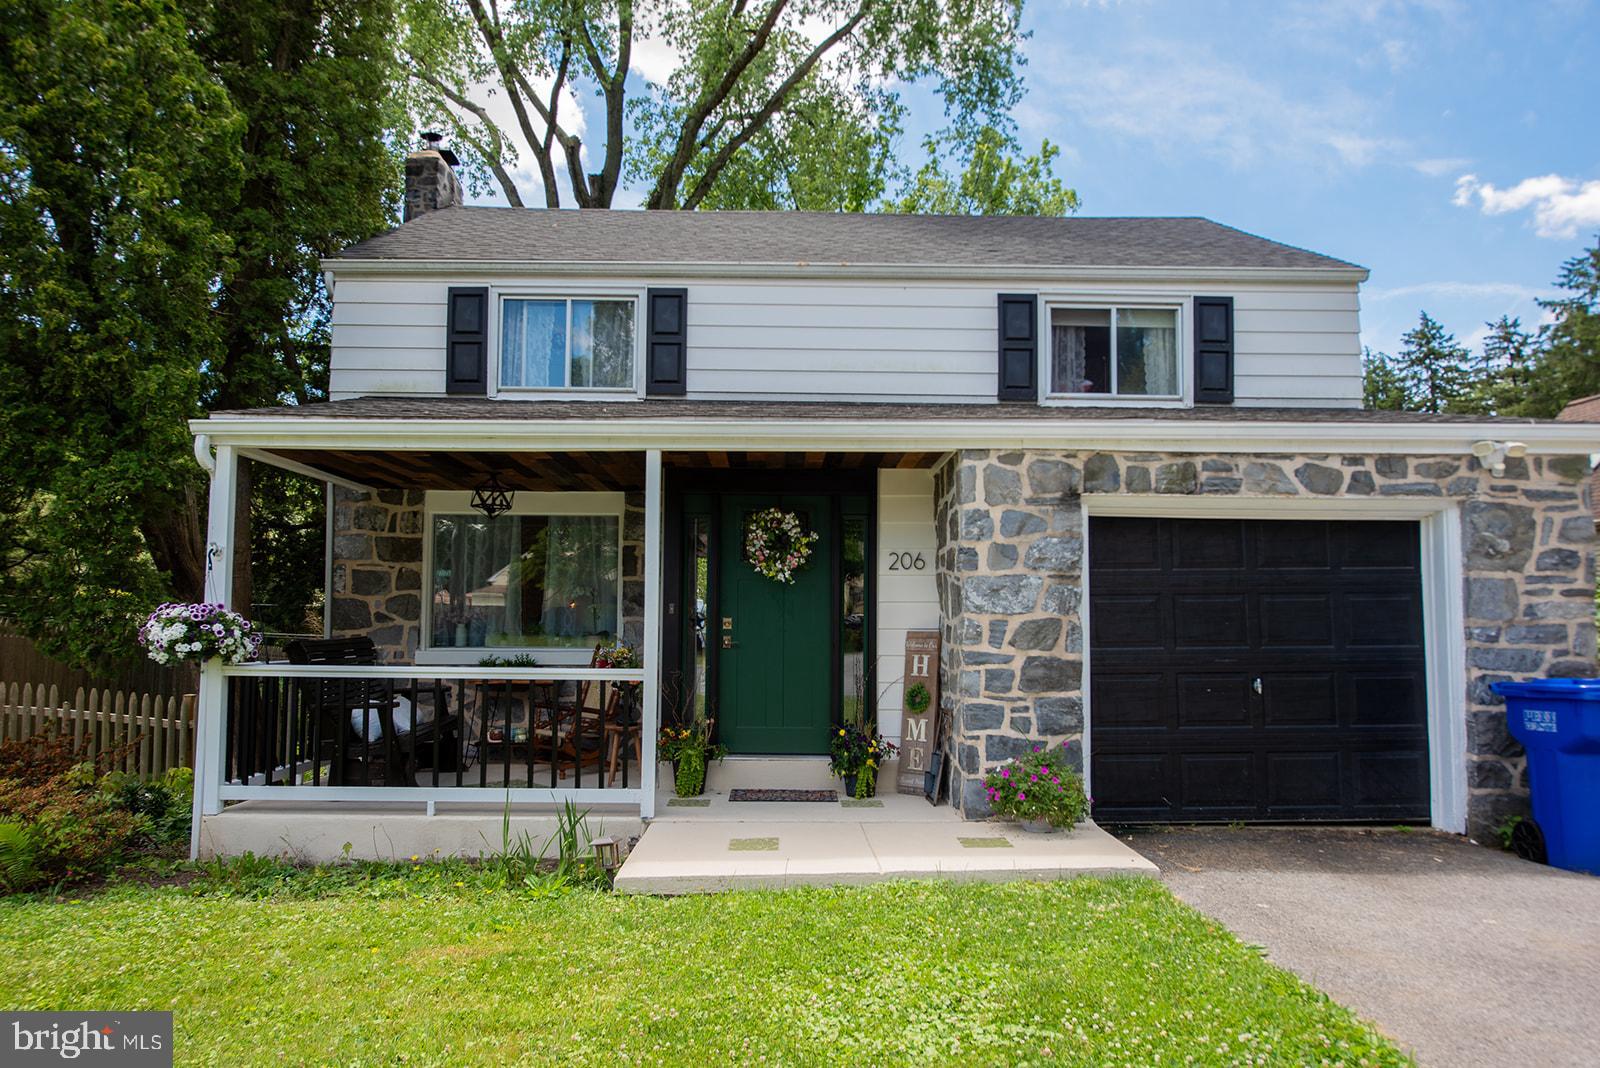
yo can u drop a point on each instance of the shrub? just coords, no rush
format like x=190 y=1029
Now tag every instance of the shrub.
x=66 y=822
x=19 y=855
x=1038 y=786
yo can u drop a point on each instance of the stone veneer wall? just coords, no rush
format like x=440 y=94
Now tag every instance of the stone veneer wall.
x=1010 y=575
x=377 y=569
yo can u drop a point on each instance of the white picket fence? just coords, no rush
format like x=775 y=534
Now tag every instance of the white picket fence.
x=144 y=734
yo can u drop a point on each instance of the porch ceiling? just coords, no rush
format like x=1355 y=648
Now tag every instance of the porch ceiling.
x=799 y=461
x=548 y=471
x=567 y=471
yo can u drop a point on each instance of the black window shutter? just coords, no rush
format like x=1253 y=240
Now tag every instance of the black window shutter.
x=666 y=343
x=1213 y=350
x=1019 y=347
x=466 y=343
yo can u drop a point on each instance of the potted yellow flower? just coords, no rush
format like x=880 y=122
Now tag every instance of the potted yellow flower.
x=856 y=755
x=690 y=749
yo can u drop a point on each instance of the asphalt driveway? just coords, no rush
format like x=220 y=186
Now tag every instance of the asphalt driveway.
x=1464 y=954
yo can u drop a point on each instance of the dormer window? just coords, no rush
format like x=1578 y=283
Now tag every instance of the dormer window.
x=1114 y=352
x=549 y=343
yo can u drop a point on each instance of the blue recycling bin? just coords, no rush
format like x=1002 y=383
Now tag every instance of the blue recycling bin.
x=1558 y=723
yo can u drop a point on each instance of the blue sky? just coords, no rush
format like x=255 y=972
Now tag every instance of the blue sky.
x=1450 y=146
x=1400 y=135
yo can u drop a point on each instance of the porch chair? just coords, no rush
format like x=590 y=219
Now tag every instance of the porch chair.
x=342 y=711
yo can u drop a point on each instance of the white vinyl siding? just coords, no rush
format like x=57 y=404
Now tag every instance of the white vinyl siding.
x=869 y=341
x=906 y=600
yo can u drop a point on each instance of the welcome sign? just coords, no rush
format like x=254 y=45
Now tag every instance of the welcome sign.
x=919 y=709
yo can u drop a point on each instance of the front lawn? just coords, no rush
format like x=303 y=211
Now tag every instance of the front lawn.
x=431 y=969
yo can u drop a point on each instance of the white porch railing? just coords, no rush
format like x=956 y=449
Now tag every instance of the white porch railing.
x=431 y=734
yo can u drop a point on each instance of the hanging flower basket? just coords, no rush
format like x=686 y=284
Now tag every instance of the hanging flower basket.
x=777 y=544
x=198 y=632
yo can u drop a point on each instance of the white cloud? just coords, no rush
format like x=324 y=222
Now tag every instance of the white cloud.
x=1186 y=102
x=654 y=60
x=1561 y=206
x=1454 y=290
x=1439 y=167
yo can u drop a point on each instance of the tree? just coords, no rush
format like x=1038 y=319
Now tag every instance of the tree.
x=774 y=104
x=171 y=173
x=993 y=182
x=1434 y=366
x=112 y=137
x=1383 y=388
x=1508 y=350
x=1567 y=365
x=312 y=83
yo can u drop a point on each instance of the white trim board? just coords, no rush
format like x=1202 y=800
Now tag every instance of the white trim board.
x=1444 y=640
x=1030 y=274
x=932 y=434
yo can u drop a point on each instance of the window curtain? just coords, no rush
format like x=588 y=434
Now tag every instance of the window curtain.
x=524 y=580
x=533 y=343
x=578 y=591
x=1147 y=352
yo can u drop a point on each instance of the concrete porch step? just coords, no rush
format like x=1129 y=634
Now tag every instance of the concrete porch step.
x=769 y=773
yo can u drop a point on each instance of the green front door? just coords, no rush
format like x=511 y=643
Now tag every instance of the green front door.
x=774 y=640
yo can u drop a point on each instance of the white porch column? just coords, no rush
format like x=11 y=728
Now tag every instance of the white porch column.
x=209 y=706
x=650 y=725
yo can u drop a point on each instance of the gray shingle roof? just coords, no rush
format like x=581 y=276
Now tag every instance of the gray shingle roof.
x=389 y=408
x=742 y=237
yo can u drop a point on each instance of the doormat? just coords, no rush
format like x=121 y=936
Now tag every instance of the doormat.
x=745 y=794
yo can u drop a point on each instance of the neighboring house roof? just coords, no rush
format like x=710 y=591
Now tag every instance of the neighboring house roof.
x=1582 y=410
x=1586 y=410
x=529 y=235
x=861 y=411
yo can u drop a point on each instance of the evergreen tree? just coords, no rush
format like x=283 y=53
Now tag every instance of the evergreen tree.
x=1435 y=367
x=1508 y=350
x=1383 y=388
x=1567 y=366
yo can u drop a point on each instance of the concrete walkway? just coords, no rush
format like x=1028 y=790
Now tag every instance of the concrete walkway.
x=1464 y=954
x=710 y=843
x=701 y=855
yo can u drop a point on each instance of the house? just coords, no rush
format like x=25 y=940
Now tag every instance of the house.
x=1586 y=410
x=1118 y=465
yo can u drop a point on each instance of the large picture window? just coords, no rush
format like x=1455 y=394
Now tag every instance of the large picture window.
x=524 y=581
x=566 y=343
x=1127 y=352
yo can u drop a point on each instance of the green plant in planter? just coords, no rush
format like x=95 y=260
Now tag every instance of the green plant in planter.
x=917 y=699
x=690 y=749
x=855 y=756
x=1038 y=786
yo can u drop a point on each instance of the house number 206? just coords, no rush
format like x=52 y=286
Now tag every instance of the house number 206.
x=906 y=562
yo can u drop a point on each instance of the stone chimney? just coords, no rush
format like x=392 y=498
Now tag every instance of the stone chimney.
x=431 y=181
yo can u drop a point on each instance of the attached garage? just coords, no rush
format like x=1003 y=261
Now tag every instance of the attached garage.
x=1254 y=669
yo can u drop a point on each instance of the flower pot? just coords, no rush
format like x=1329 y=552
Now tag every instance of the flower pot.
x=1037 y=826
x=689 y=775
x=850 y=786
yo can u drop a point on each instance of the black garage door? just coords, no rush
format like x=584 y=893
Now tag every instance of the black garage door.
x=1256 y=670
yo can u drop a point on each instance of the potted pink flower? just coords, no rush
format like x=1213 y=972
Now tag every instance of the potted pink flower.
x=1039 y=790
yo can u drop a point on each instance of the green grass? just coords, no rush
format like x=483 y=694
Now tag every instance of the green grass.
x=434 y=966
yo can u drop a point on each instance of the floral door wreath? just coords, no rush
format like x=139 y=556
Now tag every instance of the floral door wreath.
x=777 y=544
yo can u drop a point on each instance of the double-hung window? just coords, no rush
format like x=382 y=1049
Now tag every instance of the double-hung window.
x=566 y=343
x=1114 y=352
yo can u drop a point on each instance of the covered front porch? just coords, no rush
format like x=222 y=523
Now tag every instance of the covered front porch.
x=484 y=666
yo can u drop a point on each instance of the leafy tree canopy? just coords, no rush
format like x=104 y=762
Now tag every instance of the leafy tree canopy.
x=780 y=104
x=169 y=175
